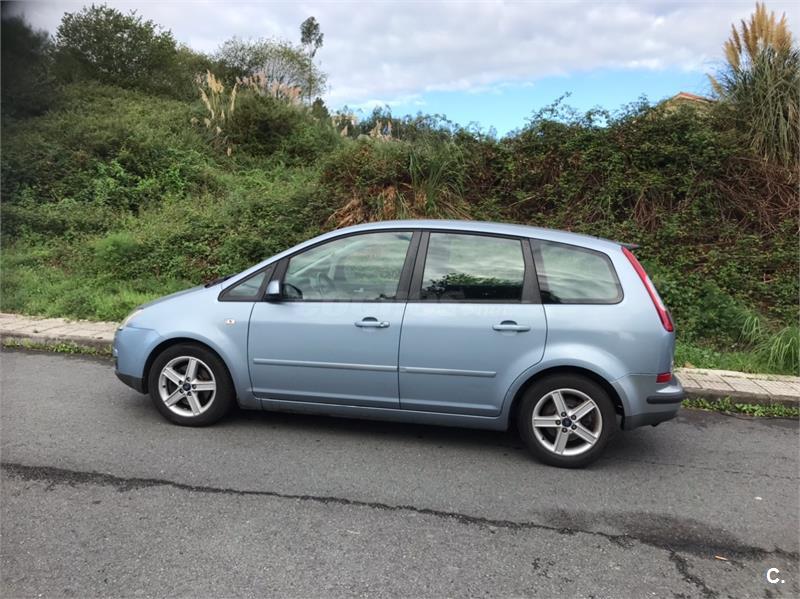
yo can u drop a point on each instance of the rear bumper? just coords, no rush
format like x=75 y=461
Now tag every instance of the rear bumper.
x=646 y=402
x=667 y=398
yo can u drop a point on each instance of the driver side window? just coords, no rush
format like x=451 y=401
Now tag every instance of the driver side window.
x=355 y=268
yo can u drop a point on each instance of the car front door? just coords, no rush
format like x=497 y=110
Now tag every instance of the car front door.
x=473 y=323
x=334 y=335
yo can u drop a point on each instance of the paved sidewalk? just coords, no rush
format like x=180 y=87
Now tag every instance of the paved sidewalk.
x=698 y=382
x=753 y=388
x=99 y=335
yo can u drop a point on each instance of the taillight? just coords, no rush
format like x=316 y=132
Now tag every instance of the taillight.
x=660 y=308
x=664 y=377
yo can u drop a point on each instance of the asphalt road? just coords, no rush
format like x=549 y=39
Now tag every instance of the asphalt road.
x=102 y=497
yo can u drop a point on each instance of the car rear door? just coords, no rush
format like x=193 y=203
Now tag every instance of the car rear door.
x=472 y=324
x=334 y=336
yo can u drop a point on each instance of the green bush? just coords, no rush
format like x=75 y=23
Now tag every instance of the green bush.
x=107 y=153
x=266 y=126
x=374 y=179
x=100 y=43
x=118 y=253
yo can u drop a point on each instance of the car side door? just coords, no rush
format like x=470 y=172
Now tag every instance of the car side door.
x=473 y=323
x=333 y=336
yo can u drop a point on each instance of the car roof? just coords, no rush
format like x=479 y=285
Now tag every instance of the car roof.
x=580 y=239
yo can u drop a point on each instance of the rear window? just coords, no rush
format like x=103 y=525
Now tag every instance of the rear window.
x=569 y=274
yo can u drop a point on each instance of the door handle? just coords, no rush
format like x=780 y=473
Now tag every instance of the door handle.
x=510 y=325
x=371 y=323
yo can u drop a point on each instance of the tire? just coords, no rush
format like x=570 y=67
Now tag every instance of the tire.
x=573 y=443
x=210 y=393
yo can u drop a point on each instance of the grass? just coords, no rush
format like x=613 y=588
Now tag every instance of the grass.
x=37 y=288
x=727 y=406
x=59 y=348
x=739 y=359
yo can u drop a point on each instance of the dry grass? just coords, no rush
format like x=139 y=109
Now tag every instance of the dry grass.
x=760 y=85
x=425 y=181
x=261 y=84
x=220 y=105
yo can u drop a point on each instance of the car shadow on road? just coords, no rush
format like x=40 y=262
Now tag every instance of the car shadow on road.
x=324 y=429
x=623 y=445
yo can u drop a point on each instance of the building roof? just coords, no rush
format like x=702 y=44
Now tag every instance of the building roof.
x=689 y=97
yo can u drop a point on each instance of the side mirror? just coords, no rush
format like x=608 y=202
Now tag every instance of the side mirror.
x=274 y=291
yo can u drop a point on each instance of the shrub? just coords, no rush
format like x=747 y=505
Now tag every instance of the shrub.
x=376 y=179
x=263 y=125
x=106 y=152
x=759 y=87
x=118 y=253
x=103 y=44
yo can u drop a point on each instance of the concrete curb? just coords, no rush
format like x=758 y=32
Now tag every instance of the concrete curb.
x=50 y=340
x=742 y=397
x=741 y=387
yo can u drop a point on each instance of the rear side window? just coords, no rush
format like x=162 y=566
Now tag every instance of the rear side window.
x=569 y=274
x=462 y=267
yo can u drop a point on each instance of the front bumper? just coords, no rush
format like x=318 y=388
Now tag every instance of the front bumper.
x=131 y=348
x=132 y=381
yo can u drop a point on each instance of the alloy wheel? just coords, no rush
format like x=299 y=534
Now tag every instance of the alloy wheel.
x=187 y=386
x=567 y=422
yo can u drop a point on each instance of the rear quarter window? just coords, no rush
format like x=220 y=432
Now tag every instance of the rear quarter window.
x=569 y=274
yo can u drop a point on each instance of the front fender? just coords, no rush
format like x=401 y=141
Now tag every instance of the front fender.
x=231 y=350
x=198 y=317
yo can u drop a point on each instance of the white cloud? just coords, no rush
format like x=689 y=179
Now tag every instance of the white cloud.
x=390 y=52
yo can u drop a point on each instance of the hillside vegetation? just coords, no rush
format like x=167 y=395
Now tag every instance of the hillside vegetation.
x=115 y=194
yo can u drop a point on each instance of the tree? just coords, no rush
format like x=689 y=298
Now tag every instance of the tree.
x=310 y=35
x=27 y=85
x=759 y=86
x=102 y=43
x=319 y=111
x=279 y=61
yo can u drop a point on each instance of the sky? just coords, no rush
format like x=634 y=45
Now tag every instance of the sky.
x=487 y=62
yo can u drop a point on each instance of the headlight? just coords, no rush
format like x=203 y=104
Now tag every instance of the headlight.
x=130 y=317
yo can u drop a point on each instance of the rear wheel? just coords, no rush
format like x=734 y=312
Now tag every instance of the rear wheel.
x=566 y=420
x=190 y=385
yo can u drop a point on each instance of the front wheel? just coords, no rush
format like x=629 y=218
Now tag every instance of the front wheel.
x=566 y=420
x=190 y=385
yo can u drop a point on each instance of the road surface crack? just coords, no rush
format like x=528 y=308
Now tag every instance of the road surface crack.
x=73 y=477
x=682 y=566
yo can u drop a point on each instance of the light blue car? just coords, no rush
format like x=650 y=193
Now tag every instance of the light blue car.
x=437 y=322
